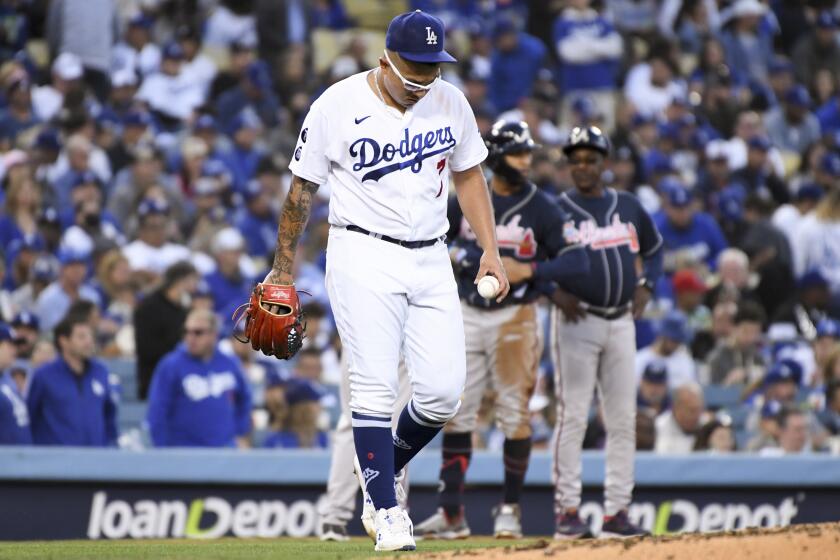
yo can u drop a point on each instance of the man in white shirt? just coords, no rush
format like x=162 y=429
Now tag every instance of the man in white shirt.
x=170 y=92
x=152 y=253
x=67 y=72
x=137 y=52
x=676 y=429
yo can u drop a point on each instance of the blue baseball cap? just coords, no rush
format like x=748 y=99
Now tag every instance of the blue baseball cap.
x=731 y=204
x=67 y=256
x=301 y=390
x=258 y=75
x=149 y=206
x=826 y=20
x=141 y=20
x=812 y=279
x=26 y=319
x=828 y=327
x=770 y=409
x=783 y=371
x=137 y=118
x=418 y=37
x=273 y=378
x=760 y=143
x=44 y=269
x=86 y=178
x=173 y=50
x=48 y=139
x=656 y=372
x=809 y=191
x=798 y=95
x=674 y=326
x=779 y=65
x=247 y=118
x=679 y=197
x=205 y=122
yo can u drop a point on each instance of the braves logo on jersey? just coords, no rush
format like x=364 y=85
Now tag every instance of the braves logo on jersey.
x=510 y=236
x=589 y=234
x=413 y=149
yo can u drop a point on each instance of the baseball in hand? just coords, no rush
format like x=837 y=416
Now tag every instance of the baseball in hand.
x=488 y=287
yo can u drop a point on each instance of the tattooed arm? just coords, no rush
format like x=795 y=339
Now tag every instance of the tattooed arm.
x=293 y=220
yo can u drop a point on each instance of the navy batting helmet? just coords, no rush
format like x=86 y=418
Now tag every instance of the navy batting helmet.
x=587 y=137
x=508 y=137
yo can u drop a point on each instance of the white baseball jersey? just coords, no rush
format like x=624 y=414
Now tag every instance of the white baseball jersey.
x=387 y=173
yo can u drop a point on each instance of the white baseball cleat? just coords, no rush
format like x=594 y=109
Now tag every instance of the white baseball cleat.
x=394 y=530
x=368 y=509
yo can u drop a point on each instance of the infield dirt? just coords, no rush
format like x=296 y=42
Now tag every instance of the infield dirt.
x=814 y=542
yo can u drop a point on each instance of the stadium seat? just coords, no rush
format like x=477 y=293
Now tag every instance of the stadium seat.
x=722 y=396
x=131 y=415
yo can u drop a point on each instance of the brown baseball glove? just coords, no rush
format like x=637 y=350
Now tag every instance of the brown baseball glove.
x=273 y=320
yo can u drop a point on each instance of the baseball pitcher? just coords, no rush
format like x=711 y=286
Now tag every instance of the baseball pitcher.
x=387 y=141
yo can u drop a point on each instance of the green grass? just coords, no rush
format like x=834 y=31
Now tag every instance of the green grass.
x=277 y=549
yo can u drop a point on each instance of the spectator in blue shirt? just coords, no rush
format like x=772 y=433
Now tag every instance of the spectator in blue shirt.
x=516 y=60
x=228 y=285
x=748 y=40
x=244 y=156
x=70 y=400
x=300 y=431
x=589 y=49
x=255 y=91
x=689 y=236
x=14 y=418
x=199 y=396
x=71 y=285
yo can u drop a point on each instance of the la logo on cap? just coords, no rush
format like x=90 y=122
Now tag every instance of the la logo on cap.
x=431 y=36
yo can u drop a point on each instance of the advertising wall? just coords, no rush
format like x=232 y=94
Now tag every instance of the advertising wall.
x=106 y=494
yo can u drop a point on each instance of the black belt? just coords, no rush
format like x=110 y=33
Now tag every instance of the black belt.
x=608 y=313
x=400 y=242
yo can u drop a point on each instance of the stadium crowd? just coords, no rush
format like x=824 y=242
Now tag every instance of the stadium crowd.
x=143 y=156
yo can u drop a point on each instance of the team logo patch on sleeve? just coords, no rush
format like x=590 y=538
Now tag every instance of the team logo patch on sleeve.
x=303 y=134
x=298 y=151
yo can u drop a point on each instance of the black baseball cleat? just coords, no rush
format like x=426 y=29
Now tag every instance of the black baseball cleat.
x=619 y=525
x=571 y=526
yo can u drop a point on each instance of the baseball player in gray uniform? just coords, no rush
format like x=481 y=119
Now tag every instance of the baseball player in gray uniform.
x=504 y=341
x=594 y=337
x=387 y=142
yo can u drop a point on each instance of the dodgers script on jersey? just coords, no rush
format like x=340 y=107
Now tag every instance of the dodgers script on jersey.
x=386 y=172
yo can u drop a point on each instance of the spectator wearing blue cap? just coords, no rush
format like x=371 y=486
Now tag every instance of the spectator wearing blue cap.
x=767 y=431
x=136 y=129
x=825 y=344
x=738 y=359
x=671 y=349
x=652 y=395
x=301 y=430
x=70 y=286
x=689 y=236
x=199 y=396
x=254 y=90
x=152 y=252
x=70 y=400
x=14 y=417
x=42 y=273
x=792 y=127
x=516 y=59
x=169 y=93
x=781 y=382
x=245 y=154
x=589 y=49
x=758 y=175
x=817 y=51
x=137 y=51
